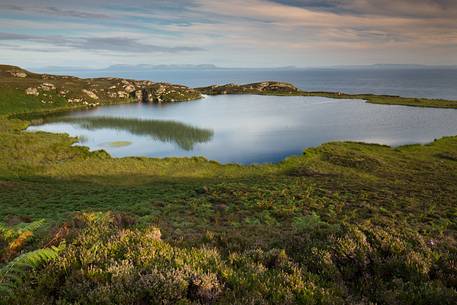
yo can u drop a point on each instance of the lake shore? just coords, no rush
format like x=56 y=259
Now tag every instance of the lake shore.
x=285 y=89
x=22 y=91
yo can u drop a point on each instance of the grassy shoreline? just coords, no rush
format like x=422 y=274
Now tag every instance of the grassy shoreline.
x=389 y=100
x=285 y=89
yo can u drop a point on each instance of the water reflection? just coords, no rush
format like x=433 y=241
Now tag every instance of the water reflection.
x=248 y=129
x=185 y=136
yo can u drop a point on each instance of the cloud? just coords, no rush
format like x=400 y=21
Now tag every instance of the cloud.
x=404 y=8
x=126 y=45
x=291 y=23
x=54 y=11
x=51 y=10
x=239 y=32
x=113 y=44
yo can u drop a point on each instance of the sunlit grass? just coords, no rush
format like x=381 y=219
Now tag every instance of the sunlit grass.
x=119 y=143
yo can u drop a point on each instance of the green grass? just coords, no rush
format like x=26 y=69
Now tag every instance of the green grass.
x=184 y=135
x=69 y=93
x=389 y=100
x=345 y=223
x=119 y=143
x=290 y=90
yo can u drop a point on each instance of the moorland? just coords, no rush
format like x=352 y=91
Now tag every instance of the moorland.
x=344 y=223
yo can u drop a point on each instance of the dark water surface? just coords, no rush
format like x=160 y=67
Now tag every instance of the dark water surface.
x=425 y=82
x=248 y=129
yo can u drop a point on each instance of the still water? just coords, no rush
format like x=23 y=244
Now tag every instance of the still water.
x=427 y=82
x=247 y=128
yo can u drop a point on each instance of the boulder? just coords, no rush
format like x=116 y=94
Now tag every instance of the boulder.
x=74 y=100
x=129 y=88
x=122 y=94
x=63 y=92
x=19 y=74
x=141 y=95
x=90 y=94
x=47 y=87
x=32 y=91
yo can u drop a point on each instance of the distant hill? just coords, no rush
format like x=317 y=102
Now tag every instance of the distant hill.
x=392 y=67
x=148 y=67
x=122 y=67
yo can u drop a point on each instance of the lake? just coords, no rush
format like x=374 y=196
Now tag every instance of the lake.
x=247 y=128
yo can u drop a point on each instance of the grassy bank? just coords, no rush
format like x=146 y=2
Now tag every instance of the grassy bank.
x=285 y=89
x=22 y=91
x=345 y=223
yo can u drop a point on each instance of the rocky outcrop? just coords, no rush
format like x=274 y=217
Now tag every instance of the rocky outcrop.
x=90 y=94
x=94 y=91
x=108 y=90
x=16 y=73
x=47 y=87
x=32 y=91
x=270 y=88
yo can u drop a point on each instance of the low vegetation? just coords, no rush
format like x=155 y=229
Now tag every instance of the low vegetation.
x=22 y=91
x=280 y=88
x=345 y=223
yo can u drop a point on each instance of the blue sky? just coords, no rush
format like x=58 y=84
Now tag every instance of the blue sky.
x=237 y=33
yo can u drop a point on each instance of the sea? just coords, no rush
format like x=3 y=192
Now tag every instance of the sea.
x=438 y=83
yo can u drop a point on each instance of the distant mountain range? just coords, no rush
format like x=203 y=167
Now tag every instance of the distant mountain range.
x=392 y=66
x=149 y=67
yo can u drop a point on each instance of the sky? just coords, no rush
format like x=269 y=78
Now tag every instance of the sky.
x=236 y=33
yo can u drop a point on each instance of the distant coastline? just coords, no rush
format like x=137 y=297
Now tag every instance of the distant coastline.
x=148 y=67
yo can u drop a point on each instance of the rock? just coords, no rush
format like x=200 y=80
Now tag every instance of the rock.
x=268 y=87
x=122 y=94
x=129 y=88
x=161 y=89
x=74 y=100
x=140 y=95
x=32 y=91
x=90 y=94
x=47 y=87
x=19 y=74
x=63 y=92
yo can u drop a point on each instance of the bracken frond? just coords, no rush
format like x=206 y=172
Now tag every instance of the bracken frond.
x=12 y=274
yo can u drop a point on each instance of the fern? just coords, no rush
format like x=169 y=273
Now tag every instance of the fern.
x=11 y=275
x=6 y=232
x=16 y=237
x=32 y=227
x=13 y=232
